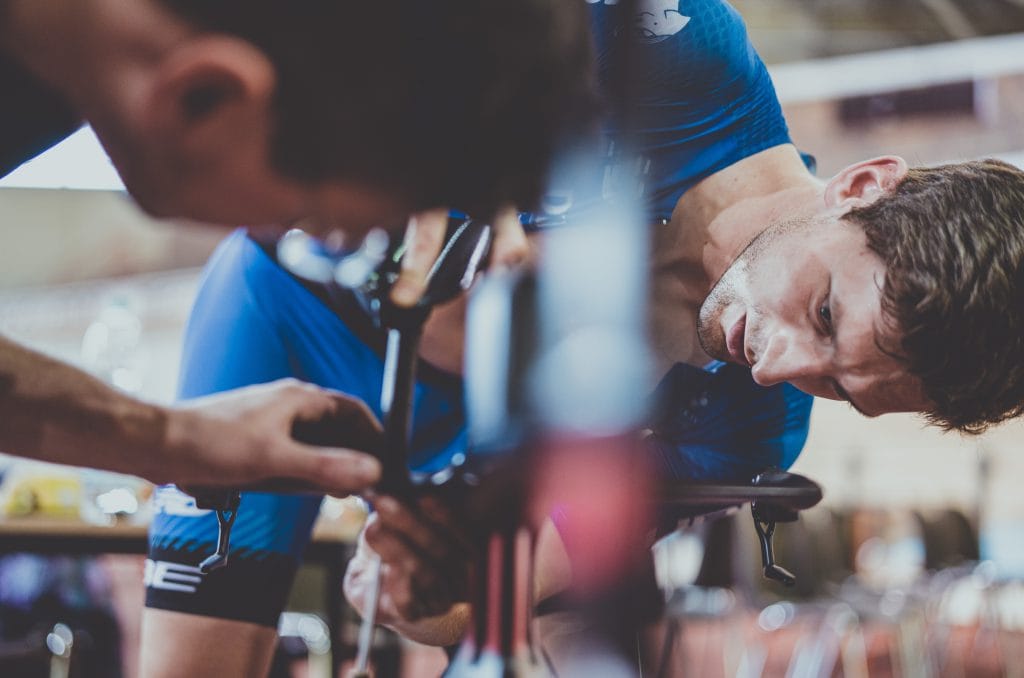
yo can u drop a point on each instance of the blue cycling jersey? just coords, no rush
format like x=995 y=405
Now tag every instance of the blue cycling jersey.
x=700 y=100
x=704 y=103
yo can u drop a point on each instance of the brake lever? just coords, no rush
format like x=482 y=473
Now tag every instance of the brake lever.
x=765 y=532
x=226 y=511
x=767 y=513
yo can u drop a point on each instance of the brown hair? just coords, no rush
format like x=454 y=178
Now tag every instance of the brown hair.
x=457 y=103
x=952 y=239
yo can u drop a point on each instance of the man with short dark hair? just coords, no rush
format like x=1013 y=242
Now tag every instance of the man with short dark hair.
x=892 y=288
x=346 y=115
x=895 y=289
x=763 y=291
x=952 y=242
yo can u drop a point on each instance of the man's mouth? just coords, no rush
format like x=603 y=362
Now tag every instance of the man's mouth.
x=735 y=341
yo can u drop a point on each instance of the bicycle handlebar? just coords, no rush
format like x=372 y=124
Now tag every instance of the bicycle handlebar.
x=775 y=490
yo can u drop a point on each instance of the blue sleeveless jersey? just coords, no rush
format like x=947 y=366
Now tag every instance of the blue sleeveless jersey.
x=704 y=103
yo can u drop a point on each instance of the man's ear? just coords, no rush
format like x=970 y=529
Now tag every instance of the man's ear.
x=208 y=91
x=863 y=182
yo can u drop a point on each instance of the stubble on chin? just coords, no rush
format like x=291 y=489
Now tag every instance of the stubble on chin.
x=709 y=319
x=709 y=329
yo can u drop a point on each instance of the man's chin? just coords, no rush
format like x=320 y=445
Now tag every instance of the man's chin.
x=712 y=342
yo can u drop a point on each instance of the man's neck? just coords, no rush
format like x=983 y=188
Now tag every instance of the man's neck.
x=716 y=219
x=711 y=225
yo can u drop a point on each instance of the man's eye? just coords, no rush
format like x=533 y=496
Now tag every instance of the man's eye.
x=825 y=313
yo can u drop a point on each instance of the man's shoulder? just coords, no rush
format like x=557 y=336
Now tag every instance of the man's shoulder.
x=693 y=41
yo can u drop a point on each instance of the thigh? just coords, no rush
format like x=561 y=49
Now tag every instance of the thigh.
x=177 y=644
x=227 y=616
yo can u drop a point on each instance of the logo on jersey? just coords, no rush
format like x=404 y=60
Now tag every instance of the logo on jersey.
x=169 y=500
x=160 y=574
x=658 y=20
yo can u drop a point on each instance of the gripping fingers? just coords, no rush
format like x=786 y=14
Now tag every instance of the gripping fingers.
x=424 y=238
x=445 y=522
x=412 y=596
x=301 y=401
x=323 y=426
x=436 y=541
x=418 y=584
x=340 y=472
x=510 y=244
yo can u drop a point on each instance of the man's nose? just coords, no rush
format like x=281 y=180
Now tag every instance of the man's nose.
x=787 y=358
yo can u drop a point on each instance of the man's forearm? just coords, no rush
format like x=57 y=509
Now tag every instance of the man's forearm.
x=54 y=412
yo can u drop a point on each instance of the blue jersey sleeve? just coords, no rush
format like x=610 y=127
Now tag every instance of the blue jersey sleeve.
x=701 y=98
x=721 y=426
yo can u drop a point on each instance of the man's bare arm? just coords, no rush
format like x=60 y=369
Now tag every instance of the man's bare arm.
x=51 y=411
x=54 y=412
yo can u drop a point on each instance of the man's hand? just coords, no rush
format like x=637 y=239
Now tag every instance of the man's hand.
x=425 y=564
x=424 y=239
x=245 y=438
